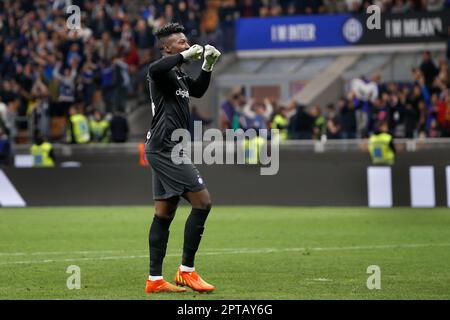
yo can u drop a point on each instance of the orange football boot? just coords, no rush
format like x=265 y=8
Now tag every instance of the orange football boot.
x=161 y=286
x=193 y=281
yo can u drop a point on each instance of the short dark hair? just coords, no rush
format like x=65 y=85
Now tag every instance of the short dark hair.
x=166 y=31
x=380 y=124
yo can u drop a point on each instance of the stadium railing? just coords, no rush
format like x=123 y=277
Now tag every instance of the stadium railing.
x=408 y=145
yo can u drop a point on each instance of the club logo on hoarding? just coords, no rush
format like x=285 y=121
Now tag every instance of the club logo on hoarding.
x=352 y=30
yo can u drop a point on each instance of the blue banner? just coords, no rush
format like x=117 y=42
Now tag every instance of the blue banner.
x=291 y=32
x=340 y=30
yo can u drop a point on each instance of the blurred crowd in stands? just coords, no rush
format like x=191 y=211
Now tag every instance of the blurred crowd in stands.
x=46 y=68
x=264 y=8
x=419 y=108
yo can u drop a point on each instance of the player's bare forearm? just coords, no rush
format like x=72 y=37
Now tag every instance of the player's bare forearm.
x=164 y=64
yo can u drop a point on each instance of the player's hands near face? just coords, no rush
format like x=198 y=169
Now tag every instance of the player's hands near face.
x=193 y=53
x=211 y=57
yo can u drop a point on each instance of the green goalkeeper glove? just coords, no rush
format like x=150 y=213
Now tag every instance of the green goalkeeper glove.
x=193 y=53
x=211 y=57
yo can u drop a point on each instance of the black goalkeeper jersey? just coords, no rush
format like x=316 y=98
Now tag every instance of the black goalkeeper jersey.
x=170 y=89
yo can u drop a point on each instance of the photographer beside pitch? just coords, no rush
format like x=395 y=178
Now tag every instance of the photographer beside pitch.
x=170 y=89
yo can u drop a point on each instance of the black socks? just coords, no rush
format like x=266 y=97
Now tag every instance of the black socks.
x=159 y=235
x=157 y=239
x=193 y=234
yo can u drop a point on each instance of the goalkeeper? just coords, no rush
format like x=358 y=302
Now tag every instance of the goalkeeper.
x=170 y=89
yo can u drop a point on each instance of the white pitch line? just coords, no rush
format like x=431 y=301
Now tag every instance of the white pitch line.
x=48 y=253
x=45 y=253
x=320 y=280
x=239 y=251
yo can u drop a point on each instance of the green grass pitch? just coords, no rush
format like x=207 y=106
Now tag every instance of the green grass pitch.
x=247 y=252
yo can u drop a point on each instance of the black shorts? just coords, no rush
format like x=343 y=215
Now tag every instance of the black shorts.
x=170 y=179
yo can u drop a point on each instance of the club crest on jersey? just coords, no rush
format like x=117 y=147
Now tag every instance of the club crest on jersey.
x=182 y=93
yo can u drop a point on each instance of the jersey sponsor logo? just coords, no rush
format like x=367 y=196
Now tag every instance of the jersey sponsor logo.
x=179 y=78
x=182 y=93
